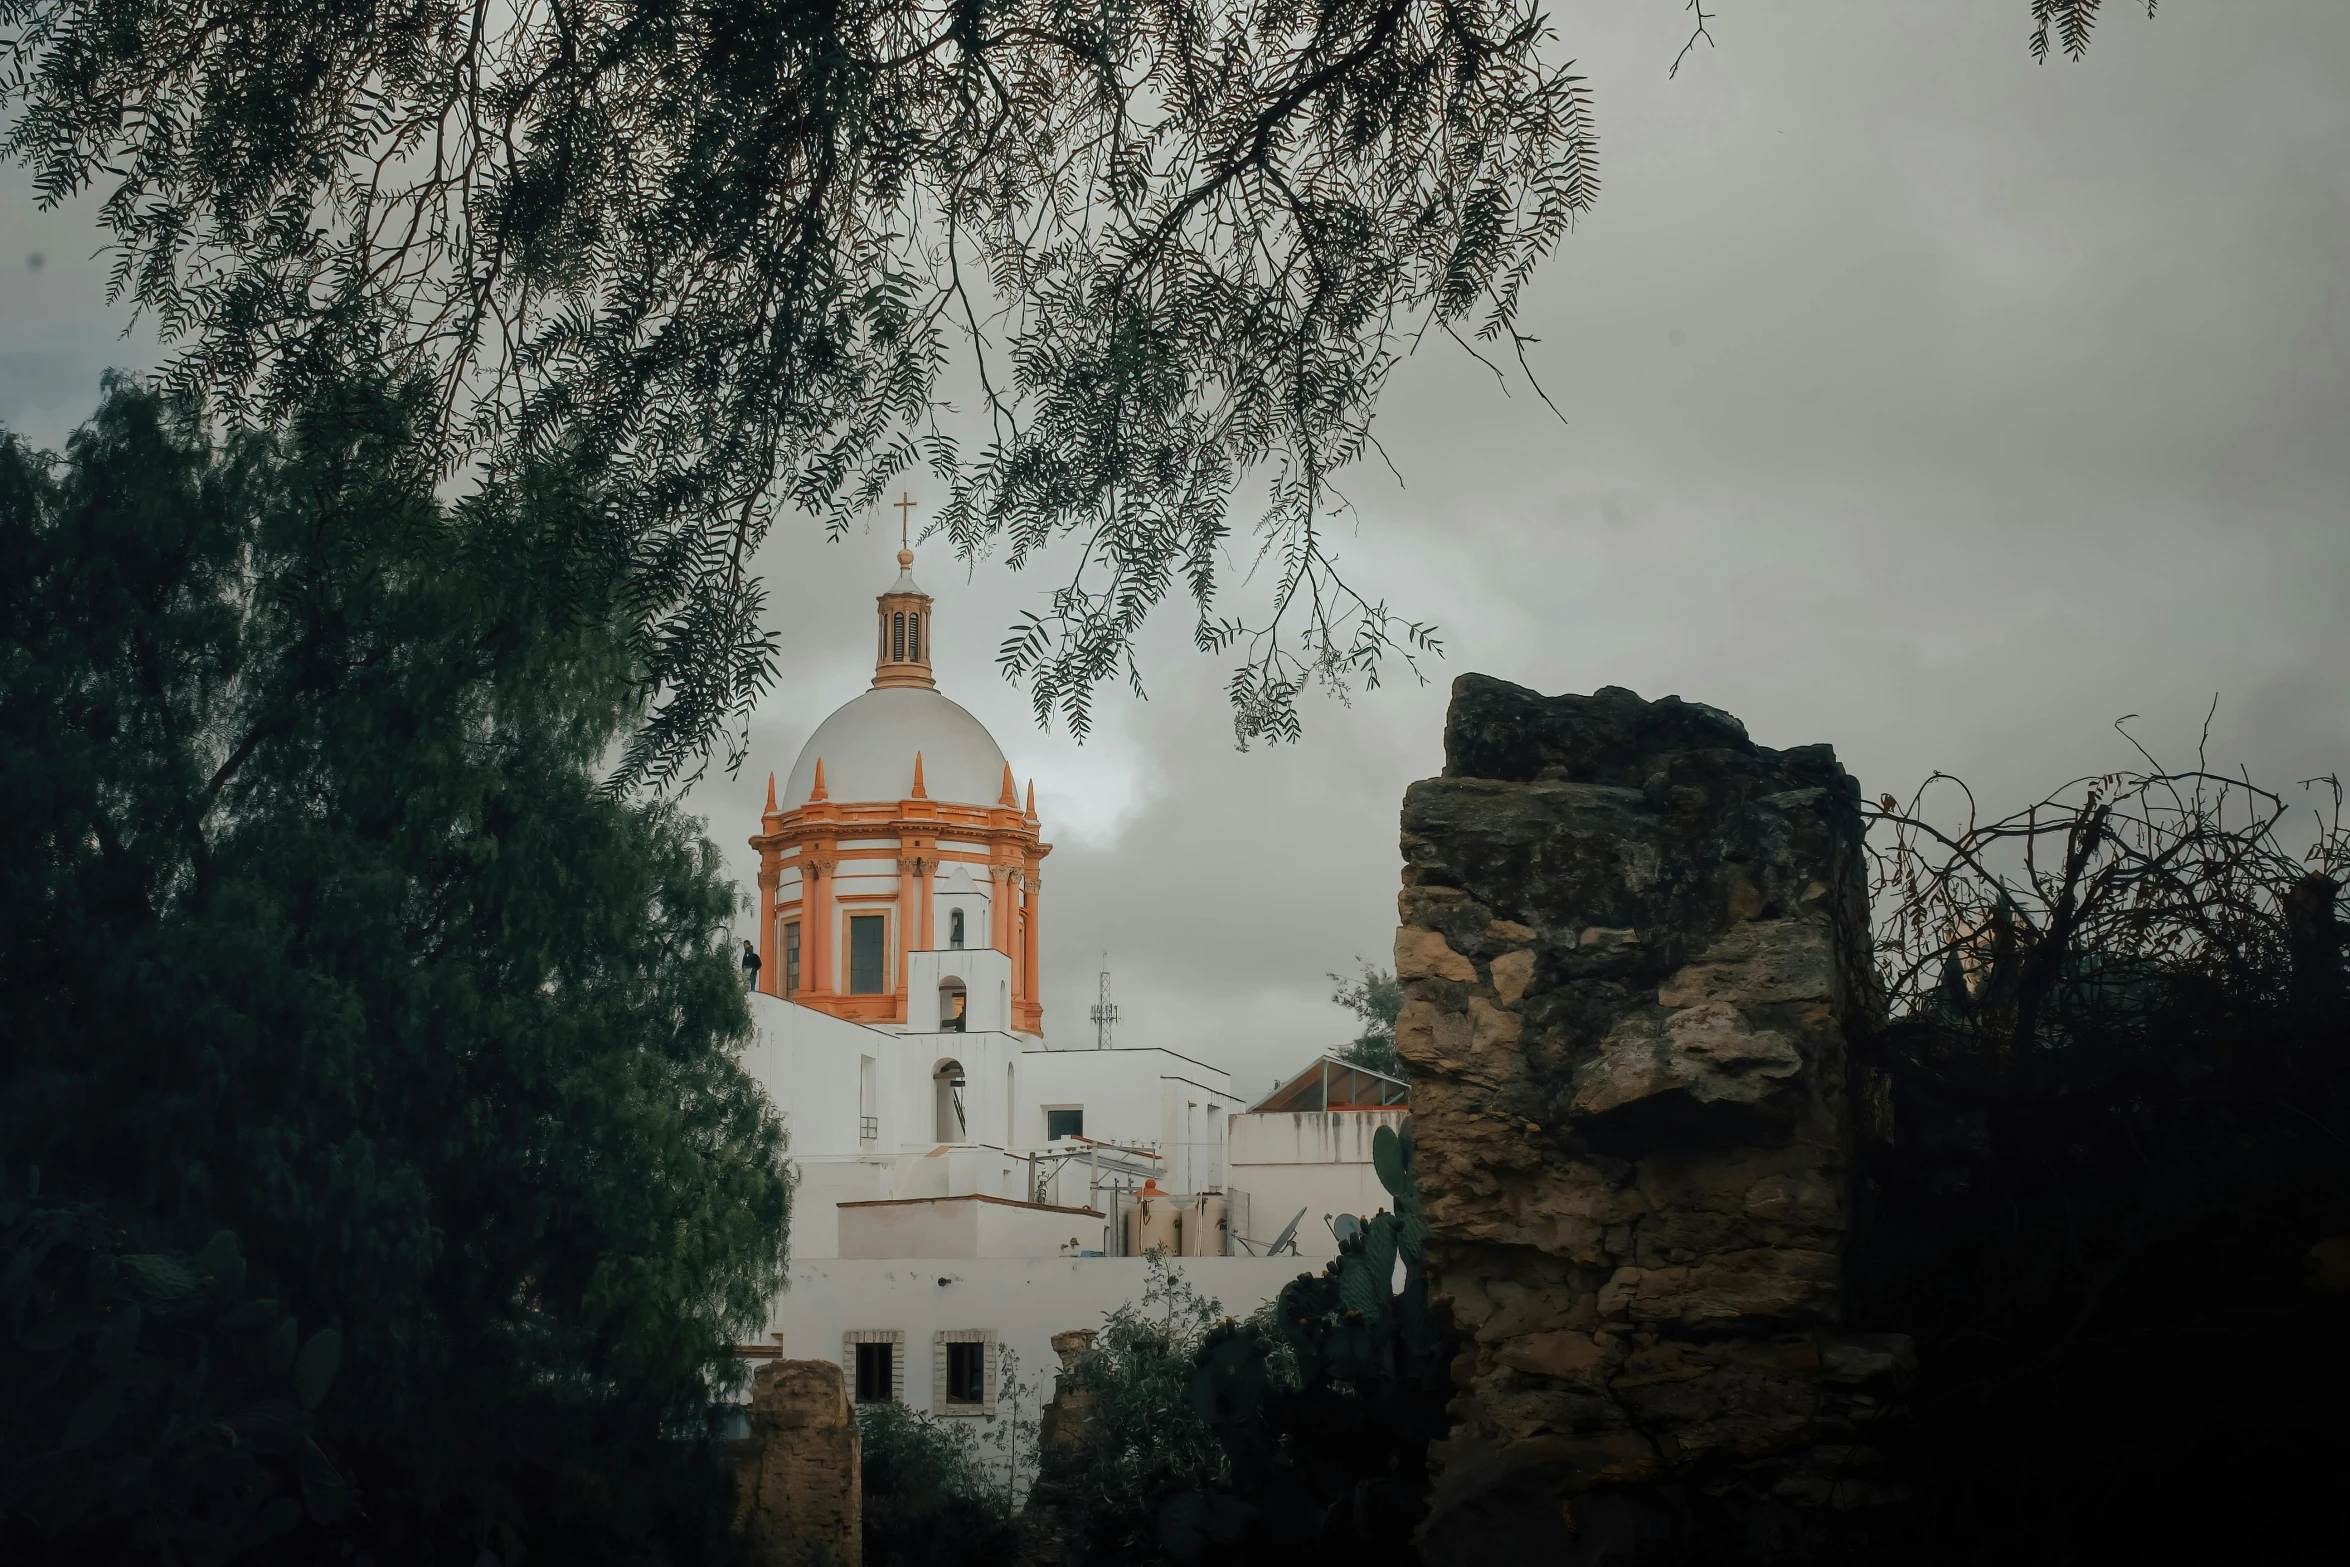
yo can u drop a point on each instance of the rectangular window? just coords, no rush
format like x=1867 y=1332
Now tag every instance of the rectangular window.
x=868 y=943
x=791 y=958
x=1064 y=1123
x=966 y=1373
x=876 y=1373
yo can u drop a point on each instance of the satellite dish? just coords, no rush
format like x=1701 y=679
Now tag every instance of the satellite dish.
x=1287 y=1239
x=1346 y=1227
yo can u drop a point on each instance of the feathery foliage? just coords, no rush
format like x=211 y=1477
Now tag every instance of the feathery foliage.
x=2067 y=24
x=750 y=253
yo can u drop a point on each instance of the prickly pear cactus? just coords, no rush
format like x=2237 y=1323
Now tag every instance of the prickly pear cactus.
x=1334 y=1453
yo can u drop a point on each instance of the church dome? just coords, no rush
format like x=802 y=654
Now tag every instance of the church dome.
x=868 y=747
x=918 y=822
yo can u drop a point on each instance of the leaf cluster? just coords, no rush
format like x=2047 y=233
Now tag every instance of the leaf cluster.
x=1092 y=266
x=930 y=1500
x=2067 y=25
x=316 y=925
x=1376 y=1000
x=1303 y=1429
x=1141 y=1438
x=154 y=1409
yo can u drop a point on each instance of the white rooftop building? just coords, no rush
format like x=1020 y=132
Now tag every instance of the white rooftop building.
x=964 y=1190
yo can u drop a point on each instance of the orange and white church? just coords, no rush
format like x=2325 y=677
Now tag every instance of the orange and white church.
x=963 y=1188
x=903 y=835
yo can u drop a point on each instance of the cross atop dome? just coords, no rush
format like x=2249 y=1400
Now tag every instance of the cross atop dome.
x=904 y=656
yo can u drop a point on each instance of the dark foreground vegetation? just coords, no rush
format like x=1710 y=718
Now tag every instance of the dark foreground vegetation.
x=380 y=1182
x=2106 y=1192
x=376 y=1183
x=2111 y=1192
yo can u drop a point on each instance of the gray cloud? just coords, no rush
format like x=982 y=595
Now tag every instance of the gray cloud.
x=1918 y=399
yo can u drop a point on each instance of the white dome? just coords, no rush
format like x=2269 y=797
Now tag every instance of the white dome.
x=868 y=747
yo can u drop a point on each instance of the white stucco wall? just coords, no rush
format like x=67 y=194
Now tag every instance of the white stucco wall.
x=986 y=976
x=1025 y=1300
x=1152 y=1098
x=810 y=1064
x=1318 y=1160
x=963 y=1227
x=823 y=1184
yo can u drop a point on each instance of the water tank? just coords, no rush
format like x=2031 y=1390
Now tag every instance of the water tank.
x=1203 y=1226
x=1154 y=1222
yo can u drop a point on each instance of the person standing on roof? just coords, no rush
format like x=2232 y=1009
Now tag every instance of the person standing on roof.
x=750 y=968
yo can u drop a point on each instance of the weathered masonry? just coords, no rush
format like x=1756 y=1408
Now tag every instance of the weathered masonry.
x=799 y=1499
x=1634 y=945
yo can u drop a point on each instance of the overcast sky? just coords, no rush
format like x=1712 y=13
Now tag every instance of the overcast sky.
x=1918 y=399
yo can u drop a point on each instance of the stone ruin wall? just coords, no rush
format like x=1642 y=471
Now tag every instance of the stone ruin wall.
x=1634 y=954
x=799 y=1495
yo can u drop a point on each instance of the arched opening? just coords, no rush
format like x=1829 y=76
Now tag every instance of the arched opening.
x=954 y=1004
x=955 y=929
x=914 y=637
x=947 y=1081
x=897 y=638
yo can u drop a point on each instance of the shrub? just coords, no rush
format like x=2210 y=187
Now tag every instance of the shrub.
x=930 y=1498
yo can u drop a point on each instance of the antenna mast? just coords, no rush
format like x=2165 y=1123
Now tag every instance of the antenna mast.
x=1105 y=1016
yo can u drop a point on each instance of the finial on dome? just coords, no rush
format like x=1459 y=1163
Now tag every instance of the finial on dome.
x=1031 y=812
x=1010 y=798
x=818 y=793
x=902 y=652
x=918 y=793
x=770 y=794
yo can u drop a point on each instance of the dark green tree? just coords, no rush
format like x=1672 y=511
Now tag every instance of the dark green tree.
x=155 y=1410
x=316 y=926
x=1376 y=1000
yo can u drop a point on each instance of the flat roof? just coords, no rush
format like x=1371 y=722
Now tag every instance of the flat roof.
x=1125 y=1050
x=1001 y=1202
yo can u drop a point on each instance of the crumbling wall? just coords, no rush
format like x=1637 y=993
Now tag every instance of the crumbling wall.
x=1634 y=950
x=798 y=1496
x=1061 y=1423
x=1046 y=1522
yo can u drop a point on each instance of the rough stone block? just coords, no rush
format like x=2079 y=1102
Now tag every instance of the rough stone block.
x=1634 y=952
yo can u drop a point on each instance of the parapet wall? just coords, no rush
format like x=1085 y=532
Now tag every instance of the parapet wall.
x=1634 y=948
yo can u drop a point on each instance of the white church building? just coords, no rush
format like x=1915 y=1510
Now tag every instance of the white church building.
x=966 y=1189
